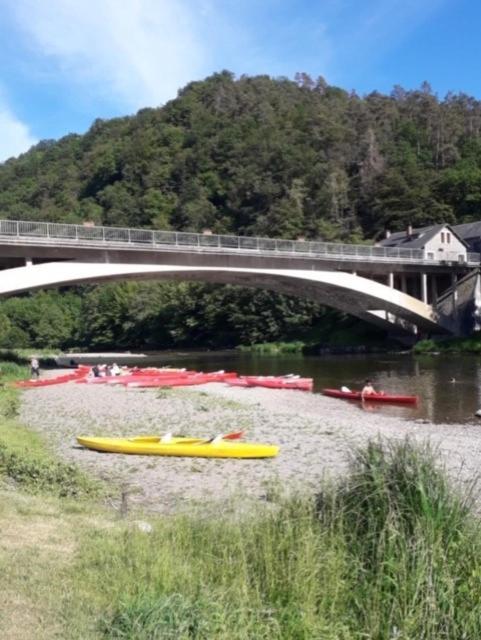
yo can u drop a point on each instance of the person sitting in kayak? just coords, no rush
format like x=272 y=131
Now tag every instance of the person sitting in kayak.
x=367 y=390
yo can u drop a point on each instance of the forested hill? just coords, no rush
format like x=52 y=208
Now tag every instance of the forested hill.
x=262 y=156
x=249 y=156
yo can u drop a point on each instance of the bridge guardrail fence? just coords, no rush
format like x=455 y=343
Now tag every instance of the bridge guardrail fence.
x=149 y=237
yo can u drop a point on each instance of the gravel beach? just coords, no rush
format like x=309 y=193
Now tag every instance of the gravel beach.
x=316 y=435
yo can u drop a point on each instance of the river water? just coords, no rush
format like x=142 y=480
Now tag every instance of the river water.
x=430 y=377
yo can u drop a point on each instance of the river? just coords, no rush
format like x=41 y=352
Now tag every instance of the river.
x=442 y=400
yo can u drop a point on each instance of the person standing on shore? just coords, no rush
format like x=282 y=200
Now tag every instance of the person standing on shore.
x=34 y=368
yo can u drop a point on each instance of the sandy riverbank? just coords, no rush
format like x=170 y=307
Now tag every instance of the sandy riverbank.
x=315 y=433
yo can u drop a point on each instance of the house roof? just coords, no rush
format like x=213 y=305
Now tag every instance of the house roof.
x=468 y=230
x=418 y=237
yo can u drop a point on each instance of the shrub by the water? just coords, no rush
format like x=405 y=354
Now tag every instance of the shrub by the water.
x=274 y=348
x=449 y=345
x=391 y=552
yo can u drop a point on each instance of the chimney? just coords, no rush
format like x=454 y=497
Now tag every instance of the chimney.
x=409 y=230
x=387 y=234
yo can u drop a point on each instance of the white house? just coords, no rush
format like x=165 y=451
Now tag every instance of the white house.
x=439 y=242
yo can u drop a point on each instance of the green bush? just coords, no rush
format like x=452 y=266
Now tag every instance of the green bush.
x=449 y=345
x=38 y=475
x=426 y=346
x=274 y=348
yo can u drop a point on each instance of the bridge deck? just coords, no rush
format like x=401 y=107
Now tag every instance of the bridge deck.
x=48 y=234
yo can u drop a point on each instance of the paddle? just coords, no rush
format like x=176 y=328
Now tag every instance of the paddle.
x=234 y=435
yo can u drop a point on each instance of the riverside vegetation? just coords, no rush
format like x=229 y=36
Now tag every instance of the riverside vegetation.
x=449 y=345
x=390 y=551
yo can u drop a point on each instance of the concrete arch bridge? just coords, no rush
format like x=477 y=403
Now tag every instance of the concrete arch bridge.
x=406 y=291
x=369 y=300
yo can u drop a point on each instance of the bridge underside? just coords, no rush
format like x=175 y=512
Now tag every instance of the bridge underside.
x=374 y=302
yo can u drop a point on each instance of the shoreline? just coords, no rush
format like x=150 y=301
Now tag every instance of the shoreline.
x=316 y=436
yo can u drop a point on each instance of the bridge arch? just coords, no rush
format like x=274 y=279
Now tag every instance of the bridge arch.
x=358 y=296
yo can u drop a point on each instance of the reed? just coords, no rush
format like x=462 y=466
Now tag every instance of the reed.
x=391 y=552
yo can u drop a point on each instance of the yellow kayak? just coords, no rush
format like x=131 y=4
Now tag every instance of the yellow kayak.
x=191 y=447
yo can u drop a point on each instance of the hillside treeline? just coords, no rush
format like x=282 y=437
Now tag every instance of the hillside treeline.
x=260 y=156
x=155 y=316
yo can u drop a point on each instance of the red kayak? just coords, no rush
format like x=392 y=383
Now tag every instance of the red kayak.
x=238 y=382
x=372 y=397
x=273 y=382
x=182 y=380
x=281 y=382
x=76 y=375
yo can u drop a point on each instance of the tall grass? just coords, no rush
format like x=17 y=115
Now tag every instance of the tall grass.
x=390 y=553
x=25 y=460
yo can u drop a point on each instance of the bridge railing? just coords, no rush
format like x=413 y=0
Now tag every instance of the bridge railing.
x=53 y=231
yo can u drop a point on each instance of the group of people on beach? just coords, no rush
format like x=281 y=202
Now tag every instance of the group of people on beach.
x=105 y=370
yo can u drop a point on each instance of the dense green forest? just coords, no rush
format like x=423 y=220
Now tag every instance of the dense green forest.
x=252 y=156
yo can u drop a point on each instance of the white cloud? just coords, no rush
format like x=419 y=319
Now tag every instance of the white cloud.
x=15 y=137
x=135 y=52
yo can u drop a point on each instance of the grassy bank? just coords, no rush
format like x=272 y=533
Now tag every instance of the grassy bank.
x=348 y=335
x=274 y=348
x=449 y=345
x=25 y=460
x=390 y=552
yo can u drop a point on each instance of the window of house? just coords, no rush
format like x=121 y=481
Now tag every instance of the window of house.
x=442 y=237
x=448 y=238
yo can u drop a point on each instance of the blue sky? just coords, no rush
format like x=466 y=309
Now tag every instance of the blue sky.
x=64 y=63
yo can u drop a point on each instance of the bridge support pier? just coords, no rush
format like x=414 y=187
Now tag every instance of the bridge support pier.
x=390 y=284
x=434 y=290
x=28 y=262
x=424 y=287
x=454 y=299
